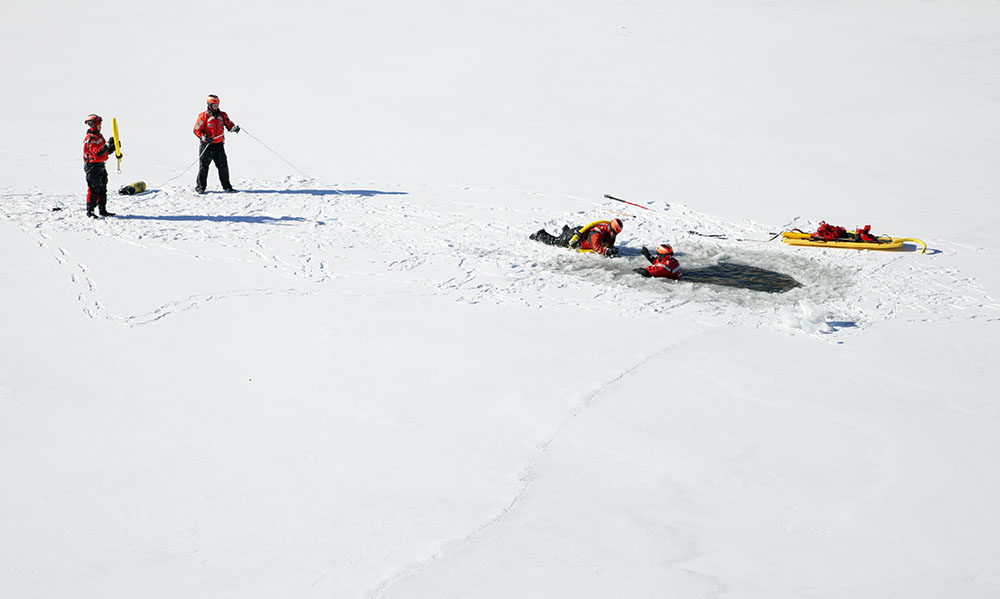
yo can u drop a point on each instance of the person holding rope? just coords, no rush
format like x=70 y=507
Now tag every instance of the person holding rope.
x=210 y=129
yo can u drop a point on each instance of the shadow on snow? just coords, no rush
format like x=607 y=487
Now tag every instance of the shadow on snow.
x=324 y=192
x=261 y=220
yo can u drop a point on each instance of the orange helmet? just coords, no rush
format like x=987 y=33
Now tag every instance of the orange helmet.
x=212 y=99
x=665 y=249
x=92 y=118
x=616 y=225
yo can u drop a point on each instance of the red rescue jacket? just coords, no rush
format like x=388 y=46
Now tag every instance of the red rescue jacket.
x=599 y=238
x=95 y=147
x=666 y=267
x=829 y=232
x=213 y=125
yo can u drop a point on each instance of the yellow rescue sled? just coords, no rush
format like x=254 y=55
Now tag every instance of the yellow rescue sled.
x=883 y=242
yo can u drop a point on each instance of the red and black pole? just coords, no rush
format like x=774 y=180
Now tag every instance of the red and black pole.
x=611 y=197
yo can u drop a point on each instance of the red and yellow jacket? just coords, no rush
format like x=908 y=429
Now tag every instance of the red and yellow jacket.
x=95 y=148
x=599 y=238
x=213 y=125
x=665 y=266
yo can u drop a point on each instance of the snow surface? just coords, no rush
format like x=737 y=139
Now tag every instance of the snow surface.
x=358 y=378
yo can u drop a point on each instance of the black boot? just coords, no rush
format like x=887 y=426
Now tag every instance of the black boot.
x=567 y=235
x=103 y=208
x=545 y=237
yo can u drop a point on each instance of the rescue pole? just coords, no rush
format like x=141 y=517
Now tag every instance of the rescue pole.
x=611 y=197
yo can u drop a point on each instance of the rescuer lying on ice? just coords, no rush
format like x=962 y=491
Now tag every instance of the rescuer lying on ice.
x=598 y=237
x=662 y=265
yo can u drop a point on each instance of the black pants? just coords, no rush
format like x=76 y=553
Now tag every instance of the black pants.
x=562 y=239
x=97 y=186
x=215 y=153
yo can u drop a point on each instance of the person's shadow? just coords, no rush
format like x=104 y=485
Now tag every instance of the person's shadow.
x=367 y=193
x=260 y=220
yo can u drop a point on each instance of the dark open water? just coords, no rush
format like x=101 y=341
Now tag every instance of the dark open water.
x=728 y=274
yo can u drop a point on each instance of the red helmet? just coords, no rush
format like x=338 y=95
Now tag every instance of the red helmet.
x=616 y=225
x=92 y=118
x=212 y=99
x=665 y=249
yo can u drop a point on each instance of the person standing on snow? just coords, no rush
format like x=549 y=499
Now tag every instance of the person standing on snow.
x=95 y=153
x=600 y=238
x=664 y=265
x=211 y=128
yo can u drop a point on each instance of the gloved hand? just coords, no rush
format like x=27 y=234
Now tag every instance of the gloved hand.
x=645 y=252
x=235 y=129
x=611 y=252
x=206 y=138
x=111 y=142
x=643 y=272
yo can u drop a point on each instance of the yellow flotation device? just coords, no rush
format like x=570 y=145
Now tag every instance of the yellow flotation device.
x=118 y=145
x=132 y=189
